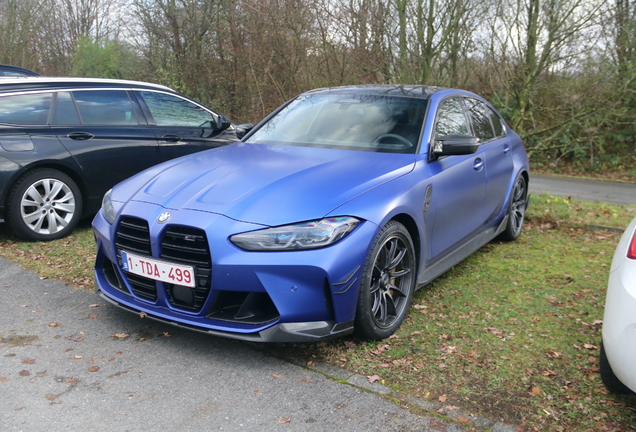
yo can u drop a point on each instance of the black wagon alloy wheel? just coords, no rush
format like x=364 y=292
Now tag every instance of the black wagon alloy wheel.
x=44 y=205
x=47 y=206
x=387 y=285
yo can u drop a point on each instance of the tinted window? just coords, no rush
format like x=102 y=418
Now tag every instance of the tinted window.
x=451 y=119
x=64 y=112
x=480 y=114
x=353 y=121
x=26 y=109
x=168 y=110
x=105 y=107
x=496 y=123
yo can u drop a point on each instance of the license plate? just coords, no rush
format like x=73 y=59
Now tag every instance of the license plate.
x=158 y=270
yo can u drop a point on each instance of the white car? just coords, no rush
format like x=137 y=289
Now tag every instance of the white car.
x=618 y=350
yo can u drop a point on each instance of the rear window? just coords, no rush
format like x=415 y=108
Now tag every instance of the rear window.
x=25 y=109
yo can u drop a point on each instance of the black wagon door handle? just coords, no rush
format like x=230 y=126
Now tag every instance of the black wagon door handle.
x=171 y=138
x=80 y=136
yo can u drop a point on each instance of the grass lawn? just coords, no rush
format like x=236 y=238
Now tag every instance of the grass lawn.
x=511 y=333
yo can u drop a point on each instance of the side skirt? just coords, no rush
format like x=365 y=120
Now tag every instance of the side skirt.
x=459 y=254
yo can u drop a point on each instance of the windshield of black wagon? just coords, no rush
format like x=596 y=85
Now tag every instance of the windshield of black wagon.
x=355 y=122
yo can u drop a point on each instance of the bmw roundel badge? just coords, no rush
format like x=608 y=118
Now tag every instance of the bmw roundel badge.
x=163 y=217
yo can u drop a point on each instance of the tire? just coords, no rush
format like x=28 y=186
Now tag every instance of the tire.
x=607 y=375
x=44 y=204
x=516 y=211
x=388 y=283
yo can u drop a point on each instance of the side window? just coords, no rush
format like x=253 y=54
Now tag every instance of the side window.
x=480 y=115
x=105 y=107
x=25 y=109
x=451 y=119
x=496 y=123
x=169 y=110
x=64 y=112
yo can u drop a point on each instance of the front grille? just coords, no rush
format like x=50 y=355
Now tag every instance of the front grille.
x=133 y=235
x=188 y=246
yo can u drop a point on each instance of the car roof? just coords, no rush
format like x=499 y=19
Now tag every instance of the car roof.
x=41 y=82
x=401 y=90
x=16 y=69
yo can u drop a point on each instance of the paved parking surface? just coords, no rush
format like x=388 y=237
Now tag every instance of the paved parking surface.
x=589 y=190
x=62 y=367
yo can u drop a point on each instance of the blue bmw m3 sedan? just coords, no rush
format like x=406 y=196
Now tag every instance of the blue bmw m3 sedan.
x=322 y=221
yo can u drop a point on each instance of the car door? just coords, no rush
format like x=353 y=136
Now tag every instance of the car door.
x=496 y=149
x=182 y=126
x=459 y=185
x=25 y=136
x=106 y=134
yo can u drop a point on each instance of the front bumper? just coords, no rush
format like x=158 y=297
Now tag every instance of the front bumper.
x=292 y=332
x=296 y=296
x=619 y=322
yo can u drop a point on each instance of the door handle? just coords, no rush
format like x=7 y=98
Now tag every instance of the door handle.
x=478 y=164
x=80 y=136
x=171 y=138
x=506 y=148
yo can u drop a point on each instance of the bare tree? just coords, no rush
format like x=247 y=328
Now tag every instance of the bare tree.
x=19 y=22
x=533 y=39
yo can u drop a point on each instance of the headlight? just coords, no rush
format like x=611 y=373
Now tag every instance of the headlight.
x=107 y=208
x=306 y=235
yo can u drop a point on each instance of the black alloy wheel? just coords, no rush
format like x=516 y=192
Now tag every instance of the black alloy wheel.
x=516 y=210
x=388 y=283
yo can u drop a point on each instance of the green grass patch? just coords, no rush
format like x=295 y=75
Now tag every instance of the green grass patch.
x=511 y=333
x=552 y=212
x=69 y=260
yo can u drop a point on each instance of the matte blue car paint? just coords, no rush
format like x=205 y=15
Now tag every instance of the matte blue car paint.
x=276 y=273
x=267 y=184
x=244 y=187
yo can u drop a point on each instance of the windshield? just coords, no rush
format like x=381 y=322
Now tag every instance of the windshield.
x=355 y=122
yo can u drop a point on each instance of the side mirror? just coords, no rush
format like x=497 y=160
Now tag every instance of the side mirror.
x=243 y=129
x=223 y=123
x=450 y=145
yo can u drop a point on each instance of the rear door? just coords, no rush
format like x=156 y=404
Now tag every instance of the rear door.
x=495 y=145
x=106 y=133
x=182 y=126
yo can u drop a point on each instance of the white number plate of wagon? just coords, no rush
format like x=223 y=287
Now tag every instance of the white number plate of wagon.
x=158 y=270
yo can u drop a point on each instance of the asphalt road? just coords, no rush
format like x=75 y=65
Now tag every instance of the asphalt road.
x=617 y=193
x=63 y=368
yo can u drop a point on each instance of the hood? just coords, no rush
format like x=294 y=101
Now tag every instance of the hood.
x=264 y=184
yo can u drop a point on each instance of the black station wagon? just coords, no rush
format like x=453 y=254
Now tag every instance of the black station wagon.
x=65 y=141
